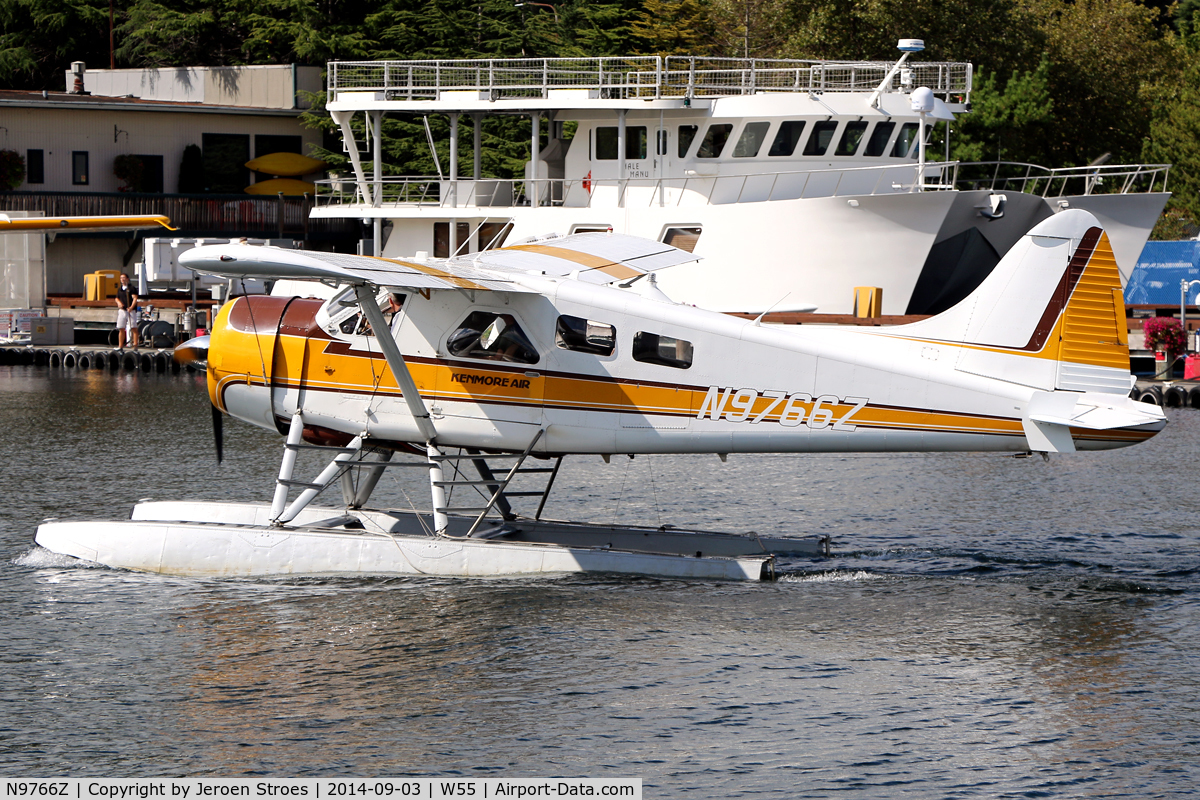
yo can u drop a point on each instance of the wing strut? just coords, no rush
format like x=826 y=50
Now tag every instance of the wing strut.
x=412 y=397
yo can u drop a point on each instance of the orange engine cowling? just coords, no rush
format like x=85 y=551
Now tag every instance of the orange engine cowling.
x=258 y=345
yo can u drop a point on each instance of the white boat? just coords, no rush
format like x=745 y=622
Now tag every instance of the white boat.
x=796 y=181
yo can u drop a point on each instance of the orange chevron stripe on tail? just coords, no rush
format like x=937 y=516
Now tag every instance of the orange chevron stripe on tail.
x=1092 y=326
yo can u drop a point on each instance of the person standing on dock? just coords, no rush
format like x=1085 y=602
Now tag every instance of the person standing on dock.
x=127 y=303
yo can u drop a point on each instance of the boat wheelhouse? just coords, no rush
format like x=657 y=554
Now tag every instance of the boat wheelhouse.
x=795 y=181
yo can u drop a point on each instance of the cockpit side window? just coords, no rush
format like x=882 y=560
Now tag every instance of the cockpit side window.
x=493 y=337
x=585 y=336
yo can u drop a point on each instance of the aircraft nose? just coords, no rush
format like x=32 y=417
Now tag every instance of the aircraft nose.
x=193 y=352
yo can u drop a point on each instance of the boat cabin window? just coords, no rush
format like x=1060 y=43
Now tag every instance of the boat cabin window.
x=904 y=142
x=686 y=134
x=714 y=140
x=441 y=239
x=585 y=336
x=635 y=142
x=877 y=144
x=787 y=138
x=820 y=137
x=667 y=351
x=751 y=140
x=683 y=238
x=591 y=229
x=492 y=336
x=852 y=137
x=493 y=234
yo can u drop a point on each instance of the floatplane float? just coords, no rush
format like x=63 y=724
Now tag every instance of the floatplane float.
x=565 y=346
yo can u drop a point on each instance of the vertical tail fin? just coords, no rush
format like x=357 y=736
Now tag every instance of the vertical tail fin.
x=1051 y=315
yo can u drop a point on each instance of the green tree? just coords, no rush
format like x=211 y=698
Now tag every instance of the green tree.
x=674 y=27
x=40 y=38
x=1007 y=122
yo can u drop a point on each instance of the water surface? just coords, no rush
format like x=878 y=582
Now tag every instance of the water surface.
x=987 y=627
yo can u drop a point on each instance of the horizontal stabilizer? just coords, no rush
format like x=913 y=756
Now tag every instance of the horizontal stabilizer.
x=1051 y=416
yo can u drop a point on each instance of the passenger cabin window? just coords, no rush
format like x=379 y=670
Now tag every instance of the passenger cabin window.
x=877 y=144
x=686 y=134
x=751 y=140
x=683 y=238
x=787 y=138
x=904 y=142
x=585 y=336
x=635 y=142
x=714 y=141
x=651 y=348
x=820 y=137
x=852 y=137
x=492 y=336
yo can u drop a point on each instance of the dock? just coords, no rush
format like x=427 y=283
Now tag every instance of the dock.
x=144 y=359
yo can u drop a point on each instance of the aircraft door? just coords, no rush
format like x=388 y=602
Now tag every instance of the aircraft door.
x=493 y=369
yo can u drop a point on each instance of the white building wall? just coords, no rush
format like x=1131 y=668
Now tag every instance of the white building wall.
x=270 y=86
x=105 y=134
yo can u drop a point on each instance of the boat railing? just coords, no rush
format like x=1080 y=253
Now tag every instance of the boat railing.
x=631 y=77
x=692 y=189
x=1016 y=176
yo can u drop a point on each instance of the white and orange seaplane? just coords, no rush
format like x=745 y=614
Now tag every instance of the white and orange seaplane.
x=564 y=346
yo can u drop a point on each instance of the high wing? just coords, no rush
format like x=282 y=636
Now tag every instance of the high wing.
x=596 y=257
x=82 y=224
x=592 y=257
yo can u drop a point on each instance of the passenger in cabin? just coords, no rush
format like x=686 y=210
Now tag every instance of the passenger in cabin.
x=127 y=305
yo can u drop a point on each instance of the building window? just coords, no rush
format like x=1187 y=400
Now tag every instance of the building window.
x=819 y=139
x=79 y=167
x=751 y=140
x=683 y=238
x=687 y=133
x=666 y=351
x=225 y=157
x=877 y=144
x=585 y=336
x=266 y=144
x=152 y=174
x=35 y=166
x=852 y=137
x=714 y=141
x=787 y=138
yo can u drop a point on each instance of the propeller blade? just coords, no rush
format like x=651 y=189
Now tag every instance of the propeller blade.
x=193 y=353
x=218 y=432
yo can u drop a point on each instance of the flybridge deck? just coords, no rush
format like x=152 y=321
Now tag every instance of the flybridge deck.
x=794 y=181
x=631 y=78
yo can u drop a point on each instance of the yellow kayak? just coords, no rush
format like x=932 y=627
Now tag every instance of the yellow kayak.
x=285 y=164
x=289 y=186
